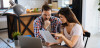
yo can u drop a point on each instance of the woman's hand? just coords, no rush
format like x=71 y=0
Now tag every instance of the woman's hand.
x=49 y=44
x=57 y=34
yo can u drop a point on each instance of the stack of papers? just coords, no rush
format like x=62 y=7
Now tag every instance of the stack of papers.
x=47 y=36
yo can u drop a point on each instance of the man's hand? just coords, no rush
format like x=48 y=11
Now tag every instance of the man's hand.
x=46 y=24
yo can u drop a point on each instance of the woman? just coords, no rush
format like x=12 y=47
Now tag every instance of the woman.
x=72 y=33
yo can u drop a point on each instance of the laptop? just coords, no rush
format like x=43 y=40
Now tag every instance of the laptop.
x=30 y=42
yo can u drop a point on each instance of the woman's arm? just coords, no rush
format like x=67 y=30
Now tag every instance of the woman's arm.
x=71 y=42
x=77 y=32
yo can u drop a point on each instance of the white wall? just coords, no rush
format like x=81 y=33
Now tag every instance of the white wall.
x=90 y=16
x=32 y=3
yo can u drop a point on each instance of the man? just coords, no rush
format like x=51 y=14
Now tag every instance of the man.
x=46 y=22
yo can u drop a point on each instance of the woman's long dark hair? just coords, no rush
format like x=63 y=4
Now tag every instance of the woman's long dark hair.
x=69 y=15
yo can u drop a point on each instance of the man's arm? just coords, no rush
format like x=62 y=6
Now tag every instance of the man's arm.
x=36 y=29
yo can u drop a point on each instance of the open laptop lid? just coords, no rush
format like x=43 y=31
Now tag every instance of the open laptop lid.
x=29 y=42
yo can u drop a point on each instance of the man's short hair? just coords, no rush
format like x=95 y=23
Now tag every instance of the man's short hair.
x=46 y=7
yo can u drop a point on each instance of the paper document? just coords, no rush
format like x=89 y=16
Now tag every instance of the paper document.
x=47 y=36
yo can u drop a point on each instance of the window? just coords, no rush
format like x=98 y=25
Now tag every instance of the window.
x=68 y=2
x=4 y=4
x=0 y=3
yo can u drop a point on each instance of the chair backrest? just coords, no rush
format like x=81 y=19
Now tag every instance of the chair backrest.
x=87 y=35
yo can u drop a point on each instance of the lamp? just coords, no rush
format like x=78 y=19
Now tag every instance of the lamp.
x=18 y=10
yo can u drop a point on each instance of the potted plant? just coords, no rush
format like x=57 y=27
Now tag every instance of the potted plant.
x=99 y=6
x=15 y=37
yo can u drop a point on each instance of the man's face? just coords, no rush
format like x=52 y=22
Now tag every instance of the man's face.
x=46 y=15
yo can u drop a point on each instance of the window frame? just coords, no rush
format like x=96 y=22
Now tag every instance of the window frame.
x=2 y=6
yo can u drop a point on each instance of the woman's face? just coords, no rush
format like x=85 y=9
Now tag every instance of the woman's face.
x=62 y=18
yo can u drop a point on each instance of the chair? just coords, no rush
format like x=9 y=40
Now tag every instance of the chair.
x=87 y=35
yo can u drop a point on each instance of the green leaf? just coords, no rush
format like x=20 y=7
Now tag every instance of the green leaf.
x=99 y=9
x=15 y=34
x=99 y=4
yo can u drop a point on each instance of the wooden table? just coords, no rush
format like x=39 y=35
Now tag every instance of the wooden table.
x=44 y=46
x=53 y=46
x=22 y=23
